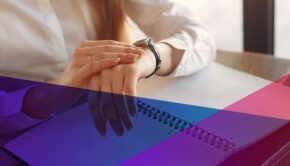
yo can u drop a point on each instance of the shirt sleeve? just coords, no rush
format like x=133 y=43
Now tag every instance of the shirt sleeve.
x=11 y=102
x=172 y=23
x=12 y=120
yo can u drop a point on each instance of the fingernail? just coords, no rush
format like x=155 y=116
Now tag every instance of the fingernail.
x=133 y=114
x=102 y=130
x=120 y=131
x=114 y=60
x=130 y=127
x=139 y=50
x=132 y=57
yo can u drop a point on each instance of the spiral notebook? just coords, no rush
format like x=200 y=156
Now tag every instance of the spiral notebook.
x=71 y=138
x=214 y=140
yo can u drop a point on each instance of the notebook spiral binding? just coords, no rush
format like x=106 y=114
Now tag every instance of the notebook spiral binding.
x=181 y=125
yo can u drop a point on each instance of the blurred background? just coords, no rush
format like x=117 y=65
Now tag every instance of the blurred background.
x=225 y=21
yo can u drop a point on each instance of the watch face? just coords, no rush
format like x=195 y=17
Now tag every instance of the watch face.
x=148 y=42
x=139 y=43
x=142 y=43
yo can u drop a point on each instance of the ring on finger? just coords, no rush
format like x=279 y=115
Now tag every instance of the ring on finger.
x=91 y=54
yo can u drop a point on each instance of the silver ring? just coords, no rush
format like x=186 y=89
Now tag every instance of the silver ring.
x=91 y=54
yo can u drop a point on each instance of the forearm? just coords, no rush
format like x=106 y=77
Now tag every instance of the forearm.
x=170 y=58
x=40 y=101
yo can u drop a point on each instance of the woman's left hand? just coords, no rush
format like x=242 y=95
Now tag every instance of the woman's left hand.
x=116 y=88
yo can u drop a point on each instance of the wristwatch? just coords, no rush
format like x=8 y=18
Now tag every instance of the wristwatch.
x=148 y=42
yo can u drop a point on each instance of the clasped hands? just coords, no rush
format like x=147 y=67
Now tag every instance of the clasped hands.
x=112 y=70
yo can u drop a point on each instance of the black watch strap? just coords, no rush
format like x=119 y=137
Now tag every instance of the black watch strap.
x=149 y=43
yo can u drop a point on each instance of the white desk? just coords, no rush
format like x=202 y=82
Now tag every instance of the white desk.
x=216 y=86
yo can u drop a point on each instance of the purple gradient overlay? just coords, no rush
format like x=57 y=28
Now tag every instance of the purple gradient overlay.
x=249 y=131
x=253 y=130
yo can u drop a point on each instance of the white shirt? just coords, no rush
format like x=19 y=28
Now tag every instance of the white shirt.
x=37 y=39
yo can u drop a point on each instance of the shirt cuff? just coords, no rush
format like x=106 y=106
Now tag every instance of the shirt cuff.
x=12 y=121
x=196 y=55
x=11 y=103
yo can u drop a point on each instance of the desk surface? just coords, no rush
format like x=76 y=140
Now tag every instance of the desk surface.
x=251 y=63
x=261 y=65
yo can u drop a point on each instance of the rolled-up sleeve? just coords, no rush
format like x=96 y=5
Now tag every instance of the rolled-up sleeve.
x=169 y=22
x=12 y=120
x=11 y=102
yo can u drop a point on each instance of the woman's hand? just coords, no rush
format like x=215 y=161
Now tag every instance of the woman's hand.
x=117 y=88
x=94 y=56
x=88 y=60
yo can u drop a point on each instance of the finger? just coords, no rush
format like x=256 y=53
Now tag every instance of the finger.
x=108 y=108
x=96 y=112
x=130 y=86
x=89 y=54
x=86 y=51
x=92 y=43
x=98 y=66
x=124 y=57
x=120 y=101
x=113 y=49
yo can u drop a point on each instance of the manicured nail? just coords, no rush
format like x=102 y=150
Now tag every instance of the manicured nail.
x=142 y=50
x=114 y=60
x=133 y=114
x=132 y=57
x=119 y=131
x=139 y=51
x=102 y=130
x=130 y=127
x=134 y=46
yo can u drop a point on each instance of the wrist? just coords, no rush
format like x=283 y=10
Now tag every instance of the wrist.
x=152 y=50
x=41 y=100
x=148 y=63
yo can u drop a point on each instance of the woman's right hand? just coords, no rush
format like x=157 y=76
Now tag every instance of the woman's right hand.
x=94 y=56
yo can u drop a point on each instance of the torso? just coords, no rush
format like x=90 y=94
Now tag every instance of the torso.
x=37 y=37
